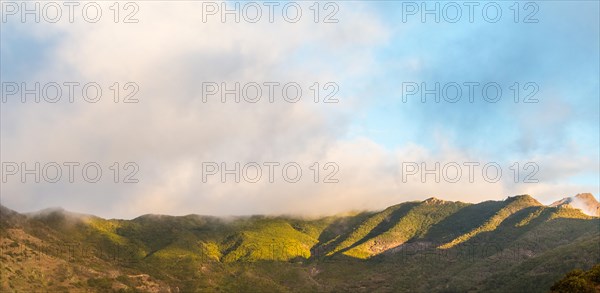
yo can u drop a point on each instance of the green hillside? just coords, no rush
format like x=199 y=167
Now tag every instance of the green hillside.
x=515 y=245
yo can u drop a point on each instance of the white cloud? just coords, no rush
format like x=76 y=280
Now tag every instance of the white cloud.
x=171 y=132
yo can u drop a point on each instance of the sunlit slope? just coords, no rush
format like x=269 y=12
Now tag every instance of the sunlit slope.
x=407 y=222
x=421 y=246
x=511 y=206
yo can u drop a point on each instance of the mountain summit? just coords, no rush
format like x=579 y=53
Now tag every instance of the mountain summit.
x=586 y=202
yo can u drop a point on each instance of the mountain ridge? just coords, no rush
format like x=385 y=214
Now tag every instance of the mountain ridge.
x=588 y=197
x=207 y=253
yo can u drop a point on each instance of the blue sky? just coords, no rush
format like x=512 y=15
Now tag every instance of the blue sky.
x=560 y=54
x=369 y=53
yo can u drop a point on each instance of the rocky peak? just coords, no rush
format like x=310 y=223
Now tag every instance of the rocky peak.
x=433 y=200
x=586 y=202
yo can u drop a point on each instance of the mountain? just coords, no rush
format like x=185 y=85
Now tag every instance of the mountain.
x=514 y=245
x=586 y=202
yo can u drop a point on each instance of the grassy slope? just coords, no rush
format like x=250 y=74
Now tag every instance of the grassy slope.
x=502 y=246
x=413 y=224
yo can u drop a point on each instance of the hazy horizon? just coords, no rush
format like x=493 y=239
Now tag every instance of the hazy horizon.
x=296 y=215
